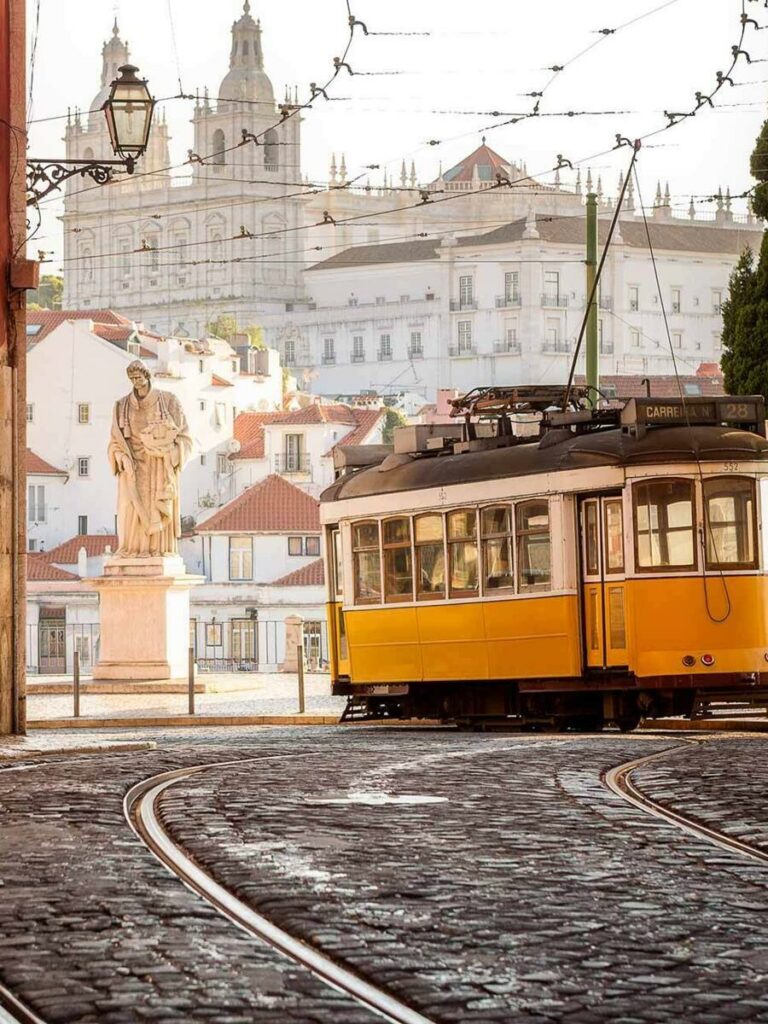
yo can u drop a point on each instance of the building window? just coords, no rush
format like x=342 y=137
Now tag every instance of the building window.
x=366 y=559
x=84 y=466
x=430 y=557
x=312 y=546
x=717 y=342
x=385 y=346
x=552 y=286
x=202 y=458
x=36 y=503
x=290 y=353
x=358 y=349
x=533 y=545
x=82 y=526
x=295 y=546
x=634 y=298
x=241 y=558
x=462 y=553
x=398 y=564
x=677 y=300
x=511 y=287
x=465 y=335
x=271 y=151
x=635 y=338
x=329 y=351
x=498 y=546
x=664 y=534
x=219 y=147
x=729 y=508
x=202 y=405
x=31 y=545
x=201 y=365
x=466 y=290
x=416 y=349
x=717 y=301
x=553 y=335
x=294 y=458
x=83 y=412
x=677 y=339
x=222 y=463
x=30 y=412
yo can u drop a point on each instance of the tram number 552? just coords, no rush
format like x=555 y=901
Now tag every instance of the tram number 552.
x=730 y=467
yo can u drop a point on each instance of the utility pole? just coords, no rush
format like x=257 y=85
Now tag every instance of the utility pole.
x=593 y=353
x=18 y=274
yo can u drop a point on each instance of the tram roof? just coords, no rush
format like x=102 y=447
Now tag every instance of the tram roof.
x=601 y=448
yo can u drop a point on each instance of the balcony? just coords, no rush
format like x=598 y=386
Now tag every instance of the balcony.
x=507 y=348
x=634 y=305
x=562 y=347
x=384 y=355
x=606 y=348
x=416 y=353
x=508 y=301
x=605 y=302
x=357 y=357
x=293 y=464
x=457 y=306
x=554 y=301
x=462 y=351
x=328 y=359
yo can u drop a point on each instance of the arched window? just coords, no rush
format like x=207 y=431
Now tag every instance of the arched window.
x=87 y=264
x=88 y=153
x=219 y=145
x=271 y=157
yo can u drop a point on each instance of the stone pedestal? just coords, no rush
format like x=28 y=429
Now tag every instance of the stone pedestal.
x=294 y=638
x=144 y=613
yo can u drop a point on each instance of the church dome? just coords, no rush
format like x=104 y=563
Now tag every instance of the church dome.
x=246 y=78
x=114 y=54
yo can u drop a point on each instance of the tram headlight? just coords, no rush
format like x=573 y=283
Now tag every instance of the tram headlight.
x=689 y=661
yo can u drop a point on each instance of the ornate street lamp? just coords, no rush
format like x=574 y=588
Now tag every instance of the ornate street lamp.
x=128 y=111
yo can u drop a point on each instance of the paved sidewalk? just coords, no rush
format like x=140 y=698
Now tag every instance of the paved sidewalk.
x=266 y=695
x=26 y=748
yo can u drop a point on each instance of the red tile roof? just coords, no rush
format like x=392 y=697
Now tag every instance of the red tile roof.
x=485 y=161
x=662 y=385
x=312 y=575
x=94 y=543
x=272 y=506
x=118 y=334
x=365 y=421
x=219 y=382
x=50 y=319
x=40 y=568
x=249 y=431
x=316 y=413
x=39 y=467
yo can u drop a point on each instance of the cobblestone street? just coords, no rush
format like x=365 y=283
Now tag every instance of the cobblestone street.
x=478 y=878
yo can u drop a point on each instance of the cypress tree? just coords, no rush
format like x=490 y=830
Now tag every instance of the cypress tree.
x=745 y=311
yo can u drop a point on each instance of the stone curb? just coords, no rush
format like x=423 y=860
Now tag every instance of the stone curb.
x=25 y=753
x=180 y=721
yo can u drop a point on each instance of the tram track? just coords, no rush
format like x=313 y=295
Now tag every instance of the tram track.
x=619 y=781
x=141 y=811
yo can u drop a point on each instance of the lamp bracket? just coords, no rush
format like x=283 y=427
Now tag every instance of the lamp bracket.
x=46 y=176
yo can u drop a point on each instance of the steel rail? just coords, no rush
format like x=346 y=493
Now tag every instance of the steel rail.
x=13 y=1011
x=140 y=806
x=619 y=781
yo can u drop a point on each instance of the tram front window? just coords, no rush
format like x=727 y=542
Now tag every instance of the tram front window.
x=430 y=557
x=462 y=552
x=367 y=563
x=664 y=525
x=398 y=572
x=729 y=506
x=497 y=548
x=533 y=545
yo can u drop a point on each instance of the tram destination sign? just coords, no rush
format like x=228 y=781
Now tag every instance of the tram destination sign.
x=658 y=412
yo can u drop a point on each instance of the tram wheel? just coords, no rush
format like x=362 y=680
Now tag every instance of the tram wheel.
x=628 y=723
x=583 y=723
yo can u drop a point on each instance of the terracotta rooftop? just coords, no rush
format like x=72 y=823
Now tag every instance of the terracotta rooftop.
x=249 y=426
x=249 y=431
x=271 y=506
x=366 y=420
x=482 y=165
x=94 y=543
x=678 y=235
x=48 y=320
x=662 y=385
x=220 y=382
x=39 y=467
x=40 y=568
x=312 y=575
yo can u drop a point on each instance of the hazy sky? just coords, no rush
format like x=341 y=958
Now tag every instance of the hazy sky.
x=460 y=59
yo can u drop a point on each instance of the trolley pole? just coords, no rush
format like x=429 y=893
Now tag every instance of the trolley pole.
x=76 y=682
x=300 y=666
x=593 y=353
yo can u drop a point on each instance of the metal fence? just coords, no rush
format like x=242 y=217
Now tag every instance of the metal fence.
x=51 y=645
x=253 y=645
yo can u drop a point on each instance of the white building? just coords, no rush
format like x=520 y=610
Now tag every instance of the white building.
x=505 y=306
x=76 y=370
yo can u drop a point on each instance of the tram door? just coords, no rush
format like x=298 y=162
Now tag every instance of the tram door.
x=603 y=575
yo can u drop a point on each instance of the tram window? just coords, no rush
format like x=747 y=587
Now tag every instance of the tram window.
x=430 y=557
x=591 y=538
x=398 y=566
x=729 y=505
x=462 y=552
x=664 y=525
x=338 y=578
x=533 y=545
x=367 y=562
x=496 y=526
x=614 y=536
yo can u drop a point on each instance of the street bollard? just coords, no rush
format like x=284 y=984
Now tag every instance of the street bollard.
x=191 y=680
x=76 y=682
x=300 y=664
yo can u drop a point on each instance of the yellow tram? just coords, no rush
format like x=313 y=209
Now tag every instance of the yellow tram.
x=608 y=568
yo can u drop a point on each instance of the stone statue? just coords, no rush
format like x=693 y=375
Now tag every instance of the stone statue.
x=148 y=446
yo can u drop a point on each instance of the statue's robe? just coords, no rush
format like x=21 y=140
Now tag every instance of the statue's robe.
x=149 y=488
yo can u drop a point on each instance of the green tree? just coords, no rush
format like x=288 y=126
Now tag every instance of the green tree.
x=392 y=418
x=223 y=326
x=758 y=165
x=48 y=294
